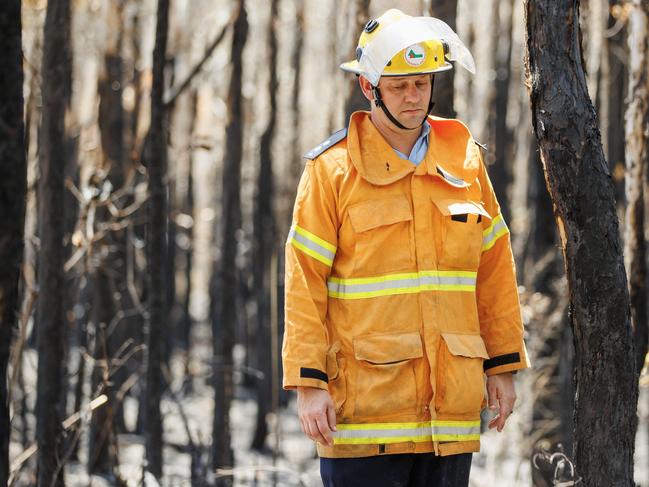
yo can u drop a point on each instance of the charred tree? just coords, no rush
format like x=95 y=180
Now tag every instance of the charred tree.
x=355 y=99
x=108 y=255
x=637 y=154
x=582 y=191
x=264 y=242
x=102 y=456
x=614 y=84
x=501 y=170
x=156 y=232
x=13 y=187
x=224 y=284
x=445 y=10
x=50 y=322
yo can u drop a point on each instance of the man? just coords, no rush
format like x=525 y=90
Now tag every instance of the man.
x=400 y=282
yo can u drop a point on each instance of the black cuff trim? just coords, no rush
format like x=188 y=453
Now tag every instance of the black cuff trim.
x=307 y=373
x=510 y=358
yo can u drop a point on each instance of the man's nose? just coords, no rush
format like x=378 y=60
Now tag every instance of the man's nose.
x=412 y=93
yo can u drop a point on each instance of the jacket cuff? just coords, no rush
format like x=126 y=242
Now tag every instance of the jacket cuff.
x=508 y=362
x=307 y=377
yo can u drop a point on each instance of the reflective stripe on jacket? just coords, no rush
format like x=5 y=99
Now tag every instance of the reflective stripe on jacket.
x=400 y=292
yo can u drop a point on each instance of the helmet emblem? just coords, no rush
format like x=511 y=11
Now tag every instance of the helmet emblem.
x=415 y=55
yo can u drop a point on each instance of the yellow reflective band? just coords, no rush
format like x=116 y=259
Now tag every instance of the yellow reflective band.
x=383 y=433
x=404 y=283
x=497 y=229
x=312 y=245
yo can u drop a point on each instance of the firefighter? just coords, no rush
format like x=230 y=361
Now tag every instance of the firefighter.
x=401 y=300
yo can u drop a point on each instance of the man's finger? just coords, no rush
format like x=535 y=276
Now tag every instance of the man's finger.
x=323 y=428
x=492 y=396
x=314 y=431
x=331 y=417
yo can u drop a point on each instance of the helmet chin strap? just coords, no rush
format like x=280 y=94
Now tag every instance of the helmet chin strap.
x=379 y=103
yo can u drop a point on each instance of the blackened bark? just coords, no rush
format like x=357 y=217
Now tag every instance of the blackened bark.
x=445 y=10
x=637 y=154
x=157 y=216
x=101 y=457
x=13 y=186
x=296 y=64
x=355 y=99
x=501 y=171
x=223 y=288
x=579 y=182
x=264 y=241
x=615 y=84
x=50 y=320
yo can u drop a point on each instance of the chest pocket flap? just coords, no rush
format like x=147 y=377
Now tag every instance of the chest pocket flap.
x=448 y=207
x=375 y=213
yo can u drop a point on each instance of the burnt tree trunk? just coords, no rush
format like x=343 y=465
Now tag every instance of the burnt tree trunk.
x=157 y=216
x=224 y=285
x=614 y=86
x=102 y=457
x=501 y=170
x=50 y=401
x=582 y=191
x=13 y=187
x=637 y=154
x=264 y=242
x=109 y=254
x=355 y=99
x=445 y=10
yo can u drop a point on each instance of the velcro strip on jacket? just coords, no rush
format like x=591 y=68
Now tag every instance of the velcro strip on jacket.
x=498 y=360
x=497 y=229
x=404 y=283
x=312 y=245
x=309 y=373
x=382 y=433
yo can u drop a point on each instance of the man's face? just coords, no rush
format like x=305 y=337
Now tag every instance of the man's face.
x=406 y=98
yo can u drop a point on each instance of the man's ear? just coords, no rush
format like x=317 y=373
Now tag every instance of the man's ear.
x=366 y=88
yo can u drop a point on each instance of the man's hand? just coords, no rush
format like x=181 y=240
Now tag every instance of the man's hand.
x=502 y=396
x=317 y=414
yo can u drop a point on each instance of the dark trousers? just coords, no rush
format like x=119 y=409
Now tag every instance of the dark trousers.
x=409 y=470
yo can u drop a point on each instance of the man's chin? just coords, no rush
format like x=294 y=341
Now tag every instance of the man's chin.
x=413 y=120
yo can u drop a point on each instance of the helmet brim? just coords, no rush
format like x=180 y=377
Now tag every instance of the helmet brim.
x=354 y=67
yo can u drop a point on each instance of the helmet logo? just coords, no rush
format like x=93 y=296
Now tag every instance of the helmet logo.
x=415 y=55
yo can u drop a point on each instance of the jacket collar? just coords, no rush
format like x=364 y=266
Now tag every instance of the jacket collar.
x=452 y=155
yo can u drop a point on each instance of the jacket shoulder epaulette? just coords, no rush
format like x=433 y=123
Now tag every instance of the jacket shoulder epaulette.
x=332 y=140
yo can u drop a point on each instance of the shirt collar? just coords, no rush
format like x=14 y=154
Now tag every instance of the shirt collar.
x=418 y=151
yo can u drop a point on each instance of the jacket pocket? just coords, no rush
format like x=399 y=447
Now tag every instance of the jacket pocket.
x=337 y=381
x=383 y=235
x=385 y=378
x=459 y=239
x=460 y=378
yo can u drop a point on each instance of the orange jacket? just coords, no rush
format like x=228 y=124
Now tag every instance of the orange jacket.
x=400 y=291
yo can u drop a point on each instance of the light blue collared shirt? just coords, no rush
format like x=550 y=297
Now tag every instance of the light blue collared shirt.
x=420 y=148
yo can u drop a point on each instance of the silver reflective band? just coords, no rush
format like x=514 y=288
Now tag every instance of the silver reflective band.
x=311 y=245
x=403 y=283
